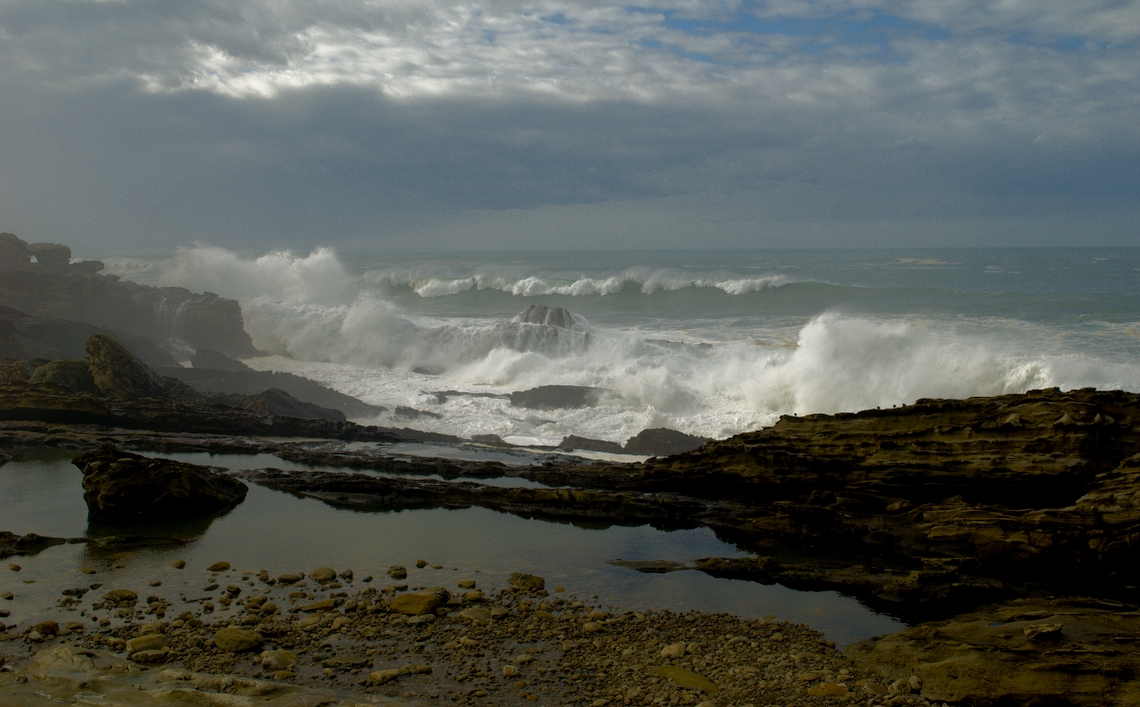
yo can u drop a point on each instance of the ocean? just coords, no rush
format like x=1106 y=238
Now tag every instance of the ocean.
x=711 y=343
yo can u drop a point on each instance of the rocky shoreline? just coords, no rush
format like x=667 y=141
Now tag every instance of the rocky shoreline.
x=1003 y=529
x=317 y=638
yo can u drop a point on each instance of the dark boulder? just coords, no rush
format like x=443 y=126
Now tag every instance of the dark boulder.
x=555 y=397
x=122 y=487
x=549 y=316
x=65 y=373
x=277 y=402
x=120 y=374
x=590 y=445
x=662 y=441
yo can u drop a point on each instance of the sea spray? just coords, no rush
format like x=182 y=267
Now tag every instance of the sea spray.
x=711 y=348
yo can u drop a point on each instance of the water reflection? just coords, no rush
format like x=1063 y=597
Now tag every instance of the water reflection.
x=283 y=533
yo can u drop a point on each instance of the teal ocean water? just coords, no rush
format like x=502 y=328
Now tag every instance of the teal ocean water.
x=708 y=342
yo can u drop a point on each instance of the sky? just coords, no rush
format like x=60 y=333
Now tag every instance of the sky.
x=136 y=126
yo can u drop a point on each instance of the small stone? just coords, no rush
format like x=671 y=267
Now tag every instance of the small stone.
x=524 y=658
x=284 y=675
x=827 y=689
x=269 y=608
x=473 y=596
x=421 y=563
x=466 y=584
x=468 y=642
x=289 y=578
x=148 y=642
x=527 y=582
x=673 y=650
x=323 y=574
x=321 y=605
x=278 y=660
x=476 y=613
x=15 y=568
x=86 y=570
x=592 y=627
x=398 y=572
x=499 y=612
x=510 y=670
x=346 y=575
x=160 y=655
x=178 y=564
x=151 y=627
x=155 y=583
x=218 y=567
x=415 y=604
x=686 y=678
x=559 y=589
x=120 y=595
x=383 y=676
x=235 y=640
x=7 y=596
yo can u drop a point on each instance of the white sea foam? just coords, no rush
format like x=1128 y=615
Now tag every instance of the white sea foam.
x=645 y=280
x=319 y=321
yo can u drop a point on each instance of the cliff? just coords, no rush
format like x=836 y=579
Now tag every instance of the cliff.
x=53 y=287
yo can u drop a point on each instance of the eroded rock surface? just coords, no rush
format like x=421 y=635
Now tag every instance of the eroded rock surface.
x=1074 y=651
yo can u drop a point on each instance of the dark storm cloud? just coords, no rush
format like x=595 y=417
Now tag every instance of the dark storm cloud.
x=135 y=126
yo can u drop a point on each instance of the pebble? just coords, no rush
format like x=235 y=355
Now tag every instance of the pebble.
x=323 y=574
x=466 y=584
x=178 y=564
x=236 y=640
x=218 y=567
x=15 y=568
x=398 y=572
x=86 y=570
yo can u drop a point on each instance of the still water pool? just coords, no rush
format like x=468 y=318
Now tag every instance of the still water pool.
x=42 y=493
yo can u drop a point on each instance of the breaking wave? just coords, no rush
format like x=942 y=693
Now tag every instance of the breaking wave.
x=347 y=331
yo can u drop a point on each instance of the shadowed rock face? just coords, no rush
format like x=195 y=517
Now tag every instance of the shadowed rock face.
x=123 y=487
x=23 y=336
x=216 y=360
x=50 y=287
x=120 y=374
x=73 y=375
x=555 y=397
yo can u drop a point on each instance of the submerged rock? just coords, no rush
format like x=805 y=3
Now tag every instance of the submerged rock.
x=556 y=397
x=123 y=487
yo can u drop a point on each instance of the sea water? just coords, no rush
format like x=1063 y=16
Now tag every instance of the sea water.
x=707 y=342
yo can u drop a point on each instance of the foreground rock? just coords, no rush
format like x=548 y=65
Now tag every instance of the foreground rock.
x=118 y=373
x=123 y=487
x=1066 y=651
